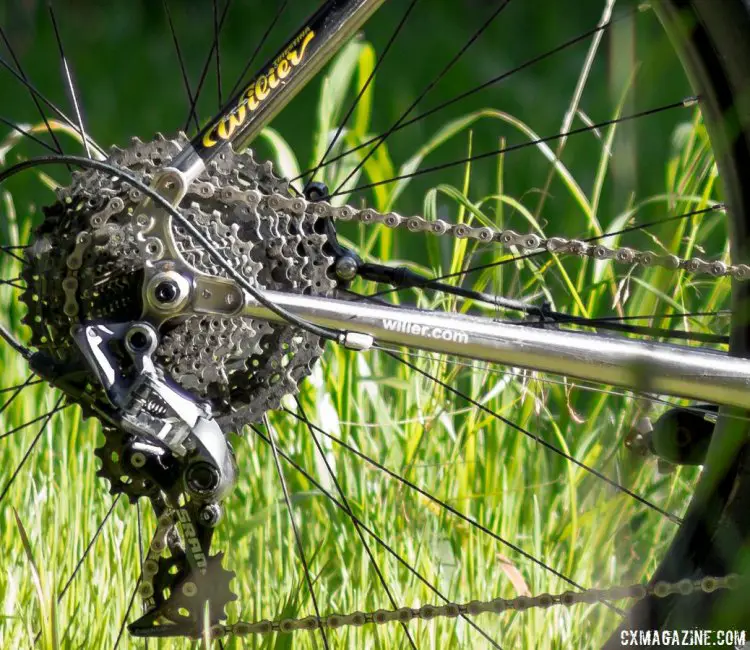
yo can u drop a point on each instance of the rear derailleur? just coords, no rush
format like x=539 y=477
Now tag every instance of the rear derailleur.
x=170 y=442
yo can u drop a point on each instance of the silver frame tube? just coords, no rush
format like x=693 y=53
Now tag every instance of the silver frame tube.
x=687 y=372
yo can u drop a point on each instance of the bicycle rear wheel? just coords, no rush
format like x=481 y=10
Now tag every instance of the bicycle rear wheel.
x=459 y=431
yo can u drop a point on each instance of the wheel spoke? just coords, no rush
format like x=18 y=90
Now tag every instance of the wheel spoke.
x=469 y=520
x=13 y=283
x=33 y=444
x=127 y=613
x=124 y=621
x=33 y=382
x=349 y=511
x=33 y=90
x=379 y=540
x=364 y=88
x=49 y=414
x=683 y=103
x=540 y=441
x=58 y=147
x=29 y=135
x=8 y=250
x=502 y=5
x=258 y=47
x=218 y=53
x=73 y=96
x=207 y=65
x=16 y=392
x=13 y=342
x=297 y=538
x=88 y=548
x=183 y=69
x=140 y=551
x=502 y=77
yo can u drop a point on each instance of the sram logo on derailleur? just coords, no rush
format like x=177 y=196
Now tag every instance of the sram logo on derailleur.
x=192 y=543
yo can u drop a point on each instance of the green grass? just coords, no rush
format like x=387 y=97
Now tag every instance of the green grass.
x=483 y=468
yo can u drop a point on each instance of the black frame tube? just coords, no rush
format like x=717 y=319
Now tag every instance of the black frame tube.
x=243 y=117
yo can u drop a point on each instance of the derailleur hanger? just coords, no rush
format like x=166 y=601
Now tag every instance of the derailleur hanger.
x=348 y=263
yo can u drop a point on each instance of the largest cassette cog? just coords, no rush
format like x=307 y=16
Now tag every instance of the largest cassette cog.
x=85 y=264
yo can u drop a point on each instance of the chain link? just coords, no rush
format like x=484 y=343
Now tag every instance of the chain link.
x=158 y=545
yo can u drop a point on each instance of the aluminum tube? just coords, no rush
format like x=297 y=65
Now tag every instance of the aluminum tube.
x=692 y=373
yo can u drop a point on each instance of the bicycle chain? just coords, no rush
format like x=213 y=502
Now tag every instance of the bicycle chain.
x=507 y=238
x=476 y=607
x=660 y=589
x=530 y=242
x=525 y=243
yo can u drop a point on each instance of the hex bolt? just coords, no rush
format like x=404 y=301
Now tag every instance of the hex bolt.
x=166 y=291
x=189 y=589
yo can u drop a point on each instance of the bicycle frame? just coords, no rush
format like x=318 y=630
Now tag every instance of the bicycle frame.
x=635 y=365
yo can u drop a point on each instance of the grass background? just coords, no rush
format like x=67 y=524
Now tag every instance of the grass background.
x=124 y=61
